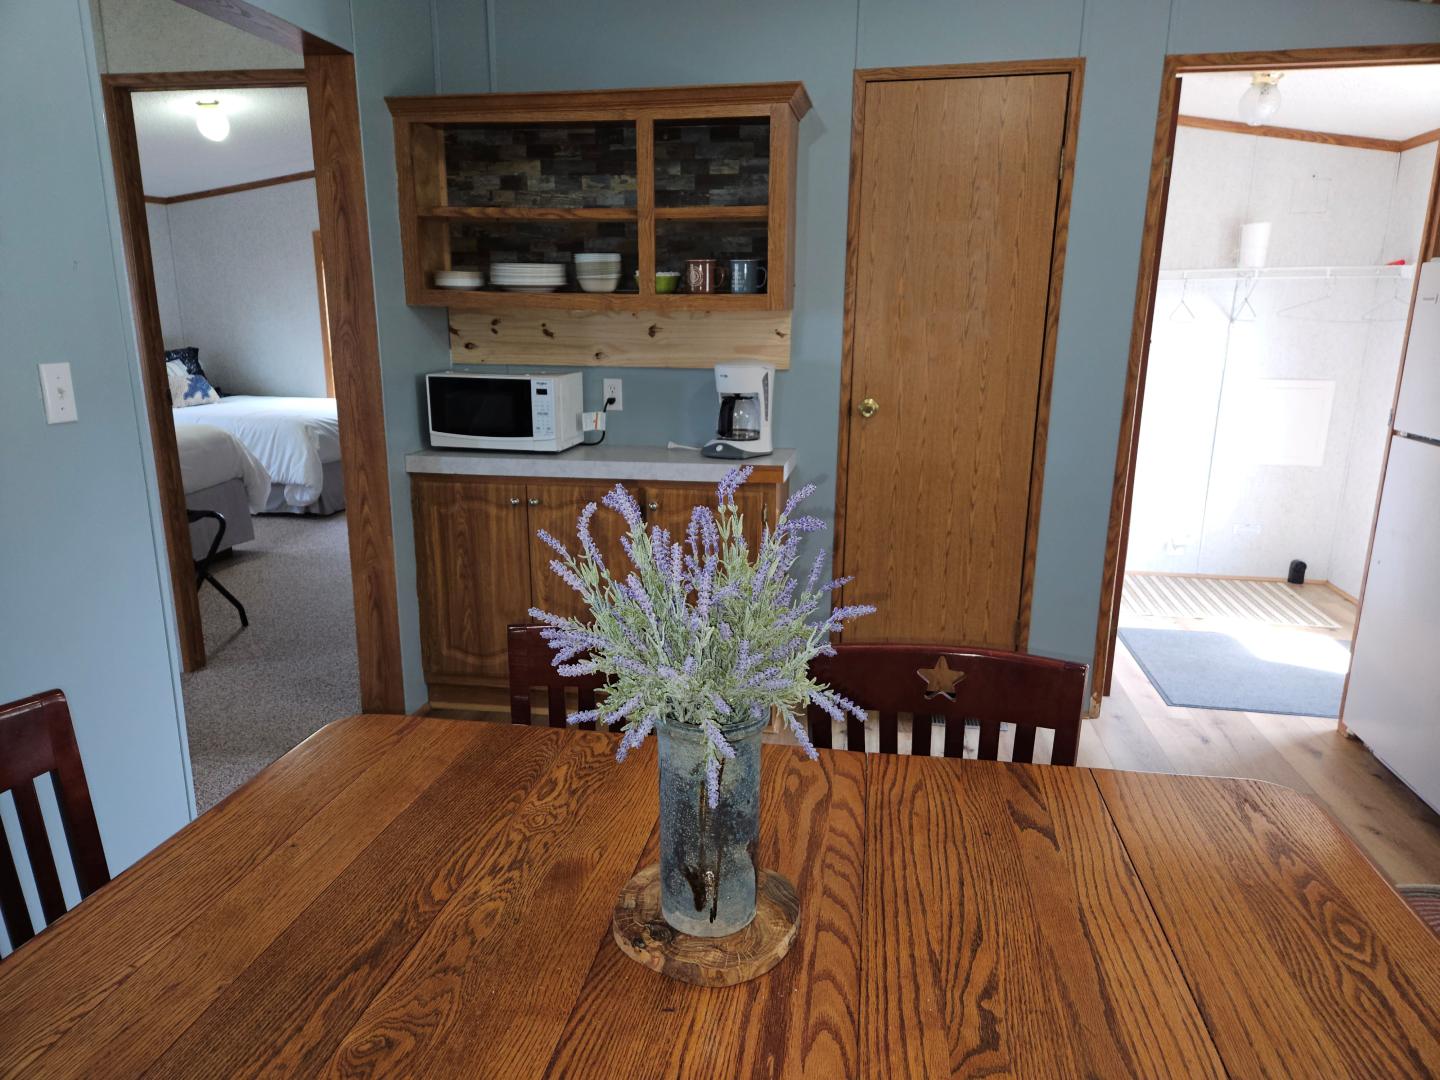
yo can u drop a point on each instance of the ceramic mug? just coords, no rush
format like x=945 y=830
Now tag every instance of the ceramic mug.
x=747 y=275
x=704 y=275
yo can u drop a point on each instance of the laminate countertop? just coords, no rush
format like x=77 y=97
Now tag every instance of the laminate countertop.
x=602 y=462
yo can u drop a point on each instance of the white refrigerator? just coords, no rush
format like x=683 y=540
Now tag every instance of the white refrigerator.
x=1393 y=702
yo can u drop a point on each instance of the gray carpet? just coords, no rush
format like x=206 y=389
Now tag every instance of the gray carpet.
x=292 y=671
x=1195 y=669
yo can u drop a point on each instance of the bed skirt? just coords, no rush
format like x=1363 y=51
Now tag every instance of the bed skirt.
x=331 y=501
x=229 y=499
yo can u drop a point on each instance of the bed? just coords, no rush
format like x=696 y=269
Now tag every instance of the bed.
x=296 y=440
x=218 y=473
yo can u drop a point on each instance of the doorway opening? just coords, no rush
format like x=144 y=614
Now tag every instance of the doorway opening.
x=241 y=204
x=1287 y=263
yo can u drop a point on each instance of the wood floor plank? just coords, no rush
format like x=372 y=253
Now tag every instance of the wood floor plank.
x=1310 y=937
x=136 y=914
x=215 y=948
x=1394 y=827
x=523 y=928
x=288 y=1011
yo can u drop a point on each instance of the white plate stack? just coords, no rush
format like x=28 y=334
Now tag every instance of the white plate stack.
x=597 y=271
x=528 y=277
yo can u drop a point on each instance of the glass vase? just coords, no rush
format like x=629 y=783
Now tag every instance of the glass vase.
x=707 y=857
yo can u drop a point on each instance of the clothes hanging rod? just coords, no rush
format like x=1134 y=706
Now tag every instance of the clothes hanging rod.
x=1293 y=273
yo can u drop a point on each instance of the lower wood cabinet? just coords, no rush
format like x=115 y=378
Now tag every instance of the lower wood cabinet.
x=480 y=565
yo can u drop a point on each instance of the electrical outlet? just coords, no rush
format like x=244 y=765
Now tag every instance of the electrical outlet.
x=58 y=393
x=612 y=390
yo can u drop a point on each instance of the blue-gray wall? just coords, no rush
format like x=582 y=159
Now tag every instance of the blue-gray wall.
x=84 y=595
x=510 y=45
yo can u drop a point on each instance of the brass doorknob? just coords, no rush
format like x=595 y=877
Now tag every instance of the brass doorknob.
x=868 y=407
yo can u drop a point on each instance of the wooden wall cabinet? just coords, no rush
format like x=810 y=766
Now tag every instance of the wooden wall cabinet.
x=480 y=565
x=658 y=176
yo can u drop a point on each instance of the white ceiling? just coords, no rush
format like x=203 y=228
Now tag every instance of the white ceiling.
x=1393 y=102
x=269 y=136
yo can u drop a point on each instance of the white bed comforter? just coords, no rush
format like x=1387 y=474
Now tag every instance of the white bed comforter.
x=210 y=456
x=292 y=437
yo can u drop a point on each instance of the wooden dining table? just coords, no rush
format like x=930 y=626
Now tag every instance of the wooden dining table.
x=415 y=896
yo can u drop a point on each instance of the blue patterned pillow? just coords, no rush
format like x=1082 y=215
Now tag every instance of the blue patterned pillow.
x=189 y=356
x=187 y=389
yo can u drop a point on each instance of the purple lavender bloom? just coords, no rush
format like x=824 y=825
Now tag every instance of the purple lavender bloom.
x=815 y=572
x=583 y=717
x=628 y=548
x=746 y=659
x=635 y=735
x=565 y=574
x=797 y=498
x=624 y=504
x=850 y=611
x=545 y=617
x=731 y=482
x=587 y=542
x=637 y=593
x=717 y=740
x=689 y=666
x=802 y=736
x=725 y=632
x=552 y=542
x=721 y=706
x=570 y=671
x=624 y=710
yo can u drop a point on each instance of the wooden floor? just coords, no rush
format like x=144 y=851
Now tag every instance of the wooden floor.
x=1137 y=730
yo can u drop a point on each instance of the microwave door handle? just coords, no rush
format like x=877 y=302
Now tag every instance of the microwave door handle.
x=727 y=417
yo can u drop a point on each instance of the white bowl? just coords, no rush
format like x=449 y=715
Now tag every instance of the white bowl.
x=600 y=284
x=459 y=279
x=597 y=257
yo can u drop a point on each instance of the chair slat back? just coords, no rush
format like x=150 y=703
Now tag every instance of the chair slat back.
x=37 y=739
x=529 y=661
x=954 y=684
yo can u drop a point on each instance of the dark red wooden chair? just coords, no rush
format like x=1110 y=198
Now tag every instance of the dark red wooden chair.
x=956 y=685
x=530 y=667
x=36 y=738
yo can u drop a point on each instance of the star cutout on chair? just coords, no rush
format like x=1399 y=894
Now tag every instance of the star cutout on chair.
x=939 y=680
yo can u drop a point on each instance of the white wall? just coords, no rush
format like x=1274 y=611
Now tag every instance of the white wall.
x=1204 y=502
x=241 y=269
x=172 y=324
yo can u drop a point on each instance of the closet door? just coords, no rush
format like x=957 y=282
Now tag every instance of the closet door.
x=954 y=214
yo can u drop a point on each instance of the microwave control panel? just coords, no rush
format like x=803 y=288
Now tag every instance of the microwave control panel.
x=542 y=408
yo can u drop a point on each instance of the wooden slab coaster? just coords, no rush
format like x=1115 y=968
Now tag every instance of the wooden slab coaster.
x=643 y=934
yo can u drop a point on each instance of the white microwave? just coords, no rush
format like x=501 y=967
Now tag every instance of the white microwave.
x=482 y=411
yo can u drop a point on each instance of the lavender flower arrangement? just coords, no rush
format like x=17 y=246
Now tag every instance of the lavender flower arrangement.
x=699 y=633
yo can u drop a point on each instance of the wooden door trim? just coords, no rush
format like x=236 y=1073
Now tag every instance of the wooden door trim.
x=1074 y=69
x=1147 y=282
x=328 y=76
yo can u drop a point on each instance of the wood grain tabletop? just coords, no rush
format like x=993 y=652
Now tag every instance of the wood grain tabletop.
x=406 y=896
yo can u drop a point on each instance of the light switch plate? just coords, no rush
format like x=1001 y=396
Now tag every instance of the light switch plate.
x=58 y=393
x=613 y=390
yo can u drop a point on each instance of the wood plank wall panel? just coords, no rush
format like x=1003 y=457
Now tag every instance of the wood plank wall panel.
x=350 y=293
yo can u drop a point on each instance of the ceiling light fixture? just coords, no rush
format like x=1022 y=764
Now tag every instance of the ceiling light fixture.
x=211 y=121
x=1262 y=100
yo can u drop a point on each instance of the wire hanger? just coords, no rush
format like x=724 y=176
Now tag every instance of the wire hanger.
x=1305 y=305
x=1182 y=305
x=1237 y=314
x=1400 y=308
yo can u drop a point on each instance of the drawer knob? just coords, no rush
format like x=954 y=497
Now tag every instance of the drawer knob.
x=869 y=407
x=652 y=506
x=533 y=502
x=514 y=500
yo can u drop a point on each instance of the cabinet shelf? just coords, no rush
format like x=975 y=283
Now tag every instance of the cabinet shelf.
x=531 y=213
x=712 y=213
x=575 y=300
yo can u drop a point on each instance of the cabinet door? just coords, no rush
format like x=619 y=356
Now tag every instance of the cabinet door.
x=670 y=505
x=556 y=509
x=473 y=570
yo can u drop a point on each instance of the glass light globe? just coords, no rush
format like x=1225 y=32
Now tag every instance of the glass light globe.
x=1260 y=102
x=211 y=121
